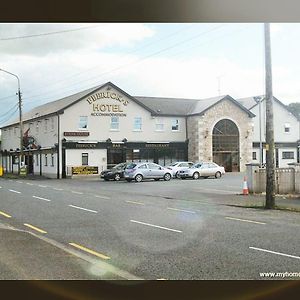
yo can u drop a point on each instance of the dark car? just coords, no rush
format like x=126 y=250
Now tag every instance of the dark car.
x=115 y=173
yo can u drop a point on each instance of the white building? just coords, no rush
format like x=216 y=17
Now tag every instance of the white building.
x=102 y=126
x=286 y=131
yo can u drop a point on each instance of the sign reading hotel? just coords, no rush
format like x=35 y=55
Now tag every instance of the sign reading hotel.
x=107 y=108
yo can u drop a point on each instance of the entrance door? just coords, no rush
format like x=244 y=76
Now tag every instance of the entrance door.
x=29 y=163
x=226 y=145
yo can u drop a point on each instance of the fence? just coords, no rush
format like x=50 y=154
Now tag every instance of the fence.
x=287 y=180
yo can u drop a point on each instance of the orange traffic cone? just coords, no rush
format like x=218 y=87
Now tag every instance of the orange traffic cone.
x=245 y=187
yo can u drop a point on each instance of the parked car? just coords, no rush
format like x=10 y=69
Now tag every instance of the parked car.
x=140 y=171
x=178 y=166
x=202 y=169
x=116 y=173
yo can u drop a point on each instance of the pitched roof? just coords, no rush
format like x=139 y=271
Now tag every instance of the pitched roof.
x=155 y=105
x=250 y=102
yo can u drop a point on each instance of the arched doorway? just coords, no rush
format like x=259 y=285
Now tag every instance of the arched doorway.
x=225 y=143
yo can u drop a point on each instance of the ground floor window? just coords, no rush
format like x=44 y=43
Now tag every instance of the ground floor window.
x=52 y=160
x=85 y=159
x=46 y=159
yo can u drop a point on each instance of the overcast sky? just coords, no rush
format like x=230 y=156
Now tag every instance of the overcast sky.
x=171 y=60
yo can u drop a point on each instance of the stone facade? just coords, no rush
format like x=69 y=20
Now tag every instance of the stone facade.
x=200 y=130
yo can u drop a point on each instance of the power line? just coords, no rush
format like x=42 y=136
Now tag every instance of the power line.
x=137 y=61
x=47 y=33
x=8 y=117
x=4 y=114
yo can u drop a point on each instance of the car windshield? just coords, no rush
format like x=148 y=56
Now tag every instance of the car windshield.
x=173 y=164
x=131 y=166
x=196 y=165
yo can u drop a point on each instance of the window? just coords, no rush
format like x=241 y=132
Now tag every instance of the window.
x=143 y=167
x=175 y=125
x=159 y=124
x=37 y=128
x=287 y=127
x=154 y=166
x=83 y=122
x=137 y=124
x=114 y=123
x=46 y=125
x=46 y=159
x=37 y=159
x=254 y=156
x=52 y=123
x=288 y=155
x=52 y=160
x=85 y=159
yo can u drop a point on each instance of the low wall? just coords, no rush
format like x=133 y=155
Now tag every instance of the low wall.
x=287 y=180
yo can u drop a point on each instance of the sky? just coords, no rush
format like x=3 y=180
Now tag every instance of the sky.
x=185 y=60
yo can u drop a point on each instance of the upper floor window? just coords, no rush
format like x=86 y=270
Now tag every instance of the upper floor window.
x=288 y=155
x=287 y=127
x=137 y=124
x=114 y=123
x=175 y=125
x=83 y=122
x=159 y=124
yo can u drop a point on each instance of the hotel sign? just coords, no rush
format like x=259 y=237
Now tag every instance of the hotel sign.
x=75 y=133
x=107 y=109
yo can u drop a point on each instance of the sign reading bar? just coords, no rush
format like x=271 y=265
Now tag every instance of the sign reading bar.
x=84 y=170
x=75 y=133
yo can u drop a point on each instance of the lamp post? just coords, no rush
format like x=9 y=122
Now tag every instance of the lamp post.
x=20 y=116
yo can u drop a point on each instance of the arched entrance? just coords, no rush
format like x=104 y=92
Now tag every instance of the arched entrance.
x=225 y=144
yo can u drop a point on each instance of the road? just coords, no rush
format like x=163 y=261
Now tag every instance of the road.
x=181 y=229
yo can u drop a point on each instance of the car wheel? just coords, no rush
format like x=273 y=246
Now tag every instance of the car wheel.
x=128 y=180
x=138 y=178
x=218 y=175
x=167 y=177
x=196 y=175
x=117 y=177
x=177 y=174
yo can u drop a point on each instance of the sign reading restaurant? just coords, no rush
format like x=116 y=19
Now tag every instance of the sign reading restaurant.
x=104 y=109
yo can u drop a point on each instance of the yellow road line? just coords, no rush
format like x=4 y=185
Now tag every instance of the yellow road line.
x=4 y=214
x=135 y=202
x=90 y=251
x=35 y=228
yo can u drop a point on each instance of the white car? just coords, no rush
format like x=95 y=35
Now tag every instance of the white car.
x=178 y=166
x=202 y=169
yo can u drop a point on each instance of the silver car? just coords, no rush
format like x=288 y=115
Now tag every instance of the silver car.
x=202 y=169
x=140 y=171
x=177 y=166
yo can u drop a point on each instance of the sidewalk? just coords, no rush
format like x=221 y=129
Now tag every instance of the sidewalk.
x=25 y=256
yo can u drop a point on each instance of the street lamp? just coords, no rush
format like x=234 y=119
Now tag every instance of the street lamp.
x=20 y=116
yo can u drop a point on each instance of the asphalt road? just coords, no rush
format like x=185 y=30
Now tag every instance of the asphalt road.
x=181 y=229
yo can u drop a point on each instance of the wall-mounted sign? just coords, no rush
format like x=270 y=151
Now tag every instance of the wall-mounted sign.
x=86 y=146
x=156 y=145
x=74 y=133
x=107 y=109
x=84 y=170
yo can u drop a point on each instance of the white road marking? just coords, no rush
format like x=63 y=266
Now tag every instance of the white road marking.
x=133 y=202
x=78 y=207
x=273 y=252
x=40 y=185
x=41 y=198
x=102 y=197
x=243 y=220
x=79 y=193
x=29 y=183
x=58 y=189
x=15 y=191
x=155 y=226
x=183 y=210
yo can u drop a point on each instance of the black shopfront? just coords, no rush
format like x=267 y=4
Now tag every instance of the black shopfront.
x=160 y=153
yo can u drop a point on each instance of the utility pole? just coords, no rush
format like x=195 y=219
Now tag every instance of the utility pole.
x=270 y=170
x=20 y=117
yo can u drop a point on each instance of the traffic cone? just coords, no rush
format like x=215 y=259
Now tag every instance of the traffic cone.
x=245 y=187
